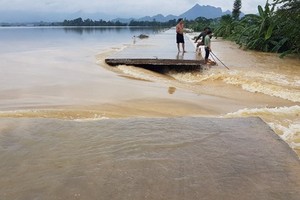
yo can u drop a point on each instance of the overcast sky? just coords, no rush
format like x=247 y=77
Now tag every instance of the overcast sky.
x=122 y=8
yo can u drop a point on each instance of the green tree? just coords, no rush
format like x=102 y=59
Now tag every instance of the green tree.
x=257 y=31
x=225 y=27
x=288 y=18
x=236 y=11
x=199 y=24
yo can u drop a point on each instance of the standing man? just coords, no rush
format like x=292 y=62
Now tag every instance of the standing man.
x=179 y=34
x=207 y=44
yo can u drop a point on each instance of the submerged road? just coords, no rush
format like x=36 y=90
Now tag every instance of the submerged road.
x=206 y=158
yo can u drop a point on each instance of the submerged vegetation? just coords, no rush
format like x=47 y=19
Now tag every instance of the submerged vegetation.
x=274 y=29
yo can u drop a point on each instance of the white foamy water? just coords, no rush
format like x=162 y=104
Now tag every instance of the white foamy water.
x=272 y=84
x=252 y=71
x=269 y=83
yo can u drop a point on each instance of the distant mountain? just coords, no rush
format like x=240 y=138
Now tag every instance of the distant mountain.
x=84 y=15
x=228 y=12
x=158 y=18
x=123 y=20
x=209 y=12
x=13 y=16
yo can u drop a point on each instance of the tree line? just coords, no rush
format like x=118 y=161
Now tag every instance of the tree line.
x=90 y=22
x=274 y=29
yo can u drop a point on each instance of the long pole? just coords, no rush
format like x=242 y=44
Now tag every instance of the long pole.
x=219 y=60
x=214 y=59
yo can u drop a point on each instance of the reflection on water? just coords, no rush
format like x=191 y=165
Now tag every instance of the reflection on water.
x=15 y=39
x=171 y=90
x=180 y=56
x=109 y=29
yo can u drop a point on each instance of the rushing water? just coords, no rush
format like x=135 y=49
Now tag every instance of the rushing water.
x=56 y=72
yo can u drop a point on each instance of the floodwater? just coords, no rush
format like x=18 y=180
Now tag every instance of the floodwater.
x=59 y=74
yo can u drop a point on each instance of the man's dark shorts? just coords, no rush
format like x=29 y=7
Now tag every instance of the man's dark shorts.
x=179 y=38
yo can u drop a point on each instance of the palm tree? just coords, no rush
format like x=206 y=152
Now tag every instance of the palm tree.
x=256 y=31
x=225 y=27
x=289 y=22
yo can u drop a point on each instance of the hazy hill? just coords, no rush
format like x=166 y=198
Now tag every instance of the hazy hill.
x=14 y=16
x=159 y=18
x=191 y=14
x=203 y=11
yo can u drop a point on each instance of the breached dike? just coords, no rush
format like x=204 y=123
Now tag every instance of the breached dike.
x=158 y=53
x=286 y=124
x=157 y=64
